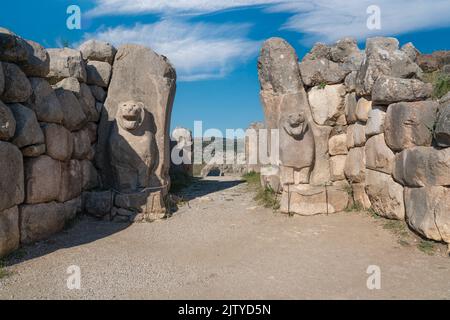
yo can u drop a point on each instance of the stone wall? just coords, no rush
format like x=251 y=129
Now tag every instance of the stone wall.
x=358 y=127
x=51 y=105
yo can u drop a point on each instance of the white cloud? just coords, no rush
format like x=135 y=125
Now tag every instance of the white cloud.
x=197 y=50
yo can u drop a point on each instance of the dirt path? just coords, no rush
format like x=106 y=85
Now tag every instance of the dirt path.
x=222 y=245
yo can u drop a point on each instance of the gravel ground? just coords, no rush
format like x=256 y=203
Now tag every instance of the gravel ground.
x=222 y=245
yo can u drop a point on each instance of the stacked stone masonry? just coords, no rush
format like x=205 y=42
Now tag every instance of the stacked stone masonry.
x=378 y=138
x=52 y=102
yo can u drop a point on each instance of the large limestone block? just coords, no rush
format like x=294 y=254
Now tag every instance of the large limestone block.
x=410 y=124
x=98 y=73
x=278 y=68
x=363 y=109
x=442 y=130
x=428 y=211
x=411 y=51
x=350 y=105
x=71 y=180
x=34 y=150
x=28 y=131
x=350 y=81
x=89 y=174
x=383 y=57
x=327 y=104
x=386 y=196
x=143 y=89
x=65 y=63
x=423 y=166
x=347 y=53
x=17 y=87
x=355 y=165
x=321 y=172
x=320 y=72
x=7 y=123
x=389 y=90
x=44 y=103
x=9 y=231
x=375 y=123
x=98 y=51
x=359 y=134
x=378 y=155
x=42 y=179
x=360 y=196
x=81 y=145
x=337 y=145
x=306 y=200
x=11 y=176
x=74 y=116
x=59 y=141
x=99 y=93
x=84 y=96
x=98 y=204
x=318 y=51
x=337 y=165
x=40 y=221
x=12 y=47
x=37 y=63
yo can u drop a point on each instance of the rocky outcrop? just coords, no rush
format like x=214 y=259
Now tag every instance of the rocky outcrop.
x=388 y=90
x=66 y=63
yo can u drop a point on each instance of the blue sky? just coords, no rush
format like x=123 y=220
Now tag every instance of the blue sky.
x=214 y=44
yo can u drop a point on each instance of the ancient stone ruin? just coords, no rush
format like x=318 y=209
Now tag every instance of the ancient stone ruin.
x=358 y=128
x=87 y=131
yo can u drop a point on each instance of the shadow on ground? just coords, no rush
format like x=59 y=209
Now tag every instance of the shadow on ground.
x=85 y=229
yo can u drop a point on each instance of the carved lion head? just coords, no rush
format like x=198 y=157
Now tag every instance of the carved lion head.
x=130 y=115
x=295 y=124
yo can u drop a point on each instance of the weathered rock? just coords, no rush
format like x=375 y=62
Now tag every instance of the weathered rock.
x=11 y=176
x=40 y=221
x=375 y=123
x=74 y=117
x=81 y=145
x=359 y=134
x=362 y=109
x=90 y=176
x=7 y=123
x=9 y=230
x=378 y=155
x=350 y=81
x=360 y=196
x=319 y=51
x=91 y=128
x=99 y=93
x=17 y=87
x=321 y=172
x=350 y=136
x=410 y=124
x=59 y=141
x=37 y=63
x=270 y=178
x=350 y=104
x=337 y=145
x=71 y=180
x=423 y=166
x=327 y=104
x=411 y=51
x=139 y=142
x=33 y=151
x=2 y=80
x=98 y=51
x=428 y=211
x=42 y=179
x=384 y=58
x=306 y=200
x=346 y=52
x=44 y=103
x=386 y=196
x=66 y=63
x=84 y=96
x=428 y=62
x=12 y=47
x=355 y=165
x=28 y=131
x=442 y=130
x=321 y=72
x=388 y=90
x=98 y=204
x=337 y=164
x=98 y=73
x=296 y=134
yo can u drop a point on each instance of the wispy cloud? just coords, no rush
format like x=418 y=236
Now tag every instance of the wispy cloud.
x=198 y=50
